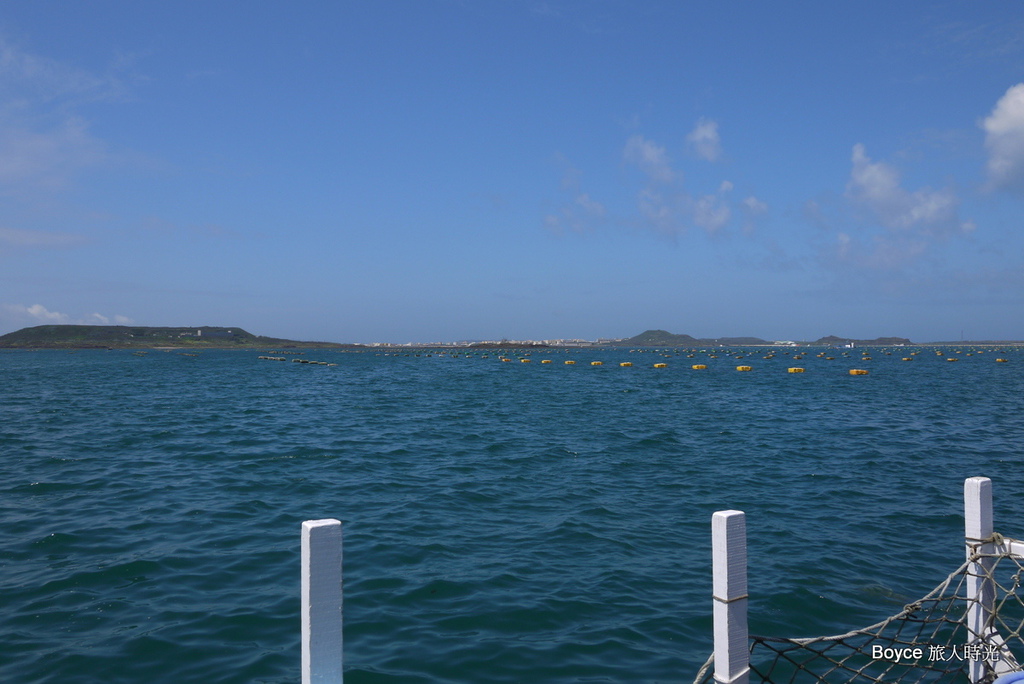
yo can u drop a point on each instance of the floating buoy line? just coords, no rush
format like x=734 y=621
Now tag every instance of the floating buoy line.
x=763 y=361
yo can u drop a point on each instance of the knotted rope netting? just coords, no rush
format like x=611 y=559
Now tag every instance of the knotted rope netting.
x=968 y=629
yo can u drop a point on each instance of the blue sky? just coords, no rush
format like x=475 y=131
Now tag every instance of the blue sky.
x=437 y=170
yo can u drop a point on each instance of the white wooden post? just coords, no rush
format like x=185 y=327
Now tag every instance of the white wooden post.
x=729 y=567
x=321 y=602
x=980 y=590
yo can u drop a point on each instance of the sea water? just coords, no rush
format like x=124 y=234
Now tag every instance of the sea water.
x=503 y=521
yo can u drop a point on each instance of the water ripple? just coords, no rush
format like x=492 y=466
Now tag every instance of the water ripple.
x=518 y=522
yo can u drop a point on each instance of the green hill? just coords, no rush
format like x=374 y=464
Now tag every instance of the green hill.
x=659 y=338
x=133 y=336
x=662 y=338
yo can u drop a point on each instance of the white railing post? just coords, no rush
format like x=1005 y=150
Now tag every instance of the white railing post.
x=729 y=567
x=980 y=590
x=321 y=602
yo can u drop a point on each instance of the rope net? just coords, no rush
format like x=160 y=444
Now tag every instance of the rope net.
x=972 y=620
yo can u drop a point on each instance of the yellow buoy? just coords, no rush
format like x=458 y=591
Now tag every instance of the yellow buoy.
x=908 y=358
x=1001 y=360
x=858 y=371
x=699 y=366
x=626 y=364
x=661 y=365
x=744 y=368
x=545 y=360
x=524 y=360
x=569 y=363
x=796 y=370
x=952 y=358
x=597 y=363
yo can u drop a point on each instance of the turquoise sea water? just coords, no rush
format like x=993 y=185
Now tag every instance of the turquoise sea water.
x=504 y=522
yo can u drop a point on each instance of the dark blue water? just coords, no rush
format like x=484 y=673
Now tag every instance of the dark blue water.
x=504 y=522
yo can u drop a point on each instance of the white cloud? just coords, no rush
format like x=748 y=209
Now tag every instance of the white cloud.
x=590 y=207
x=37 y=314
x=663 y=203
x=876 y=187
x=892 y=226
x=1004 y=139
x=753 y=206
x=711 y=213
x=650 y=158
x=40 y=312
x=704 y=139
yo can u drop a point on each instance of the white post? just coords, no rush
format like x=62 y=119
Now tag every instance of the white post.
x=729 y=567
x=321 y=602
x=980 y=590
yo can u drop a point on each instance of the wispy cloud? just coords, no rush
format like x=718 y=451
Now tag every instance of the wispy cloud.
x=896 y=226
x=15 y=237
x=100 y=319
x=37 y=314
x=662 y=203
x=665 y=204
x=704 y=140
x=45 y=143
x=580 y=212
x=579 y=215
x=48 y=157
x=876 y=187
x=1004 y=140
x=649 y=158
x=27 y=80
x=711 y=212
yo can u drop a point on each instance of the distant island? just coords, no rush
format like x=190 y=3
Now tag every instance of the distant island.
x=137 y=337
x=661 y=338
x=215 y=337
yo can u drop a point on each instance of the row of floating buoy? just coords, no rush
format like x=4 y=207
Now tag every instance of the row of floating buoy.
x=523 y=355
x=696 y=366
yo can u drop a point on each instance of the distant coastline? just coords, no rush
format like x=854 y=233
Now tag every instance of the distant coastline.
x=145 y=337
x=220 y=337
